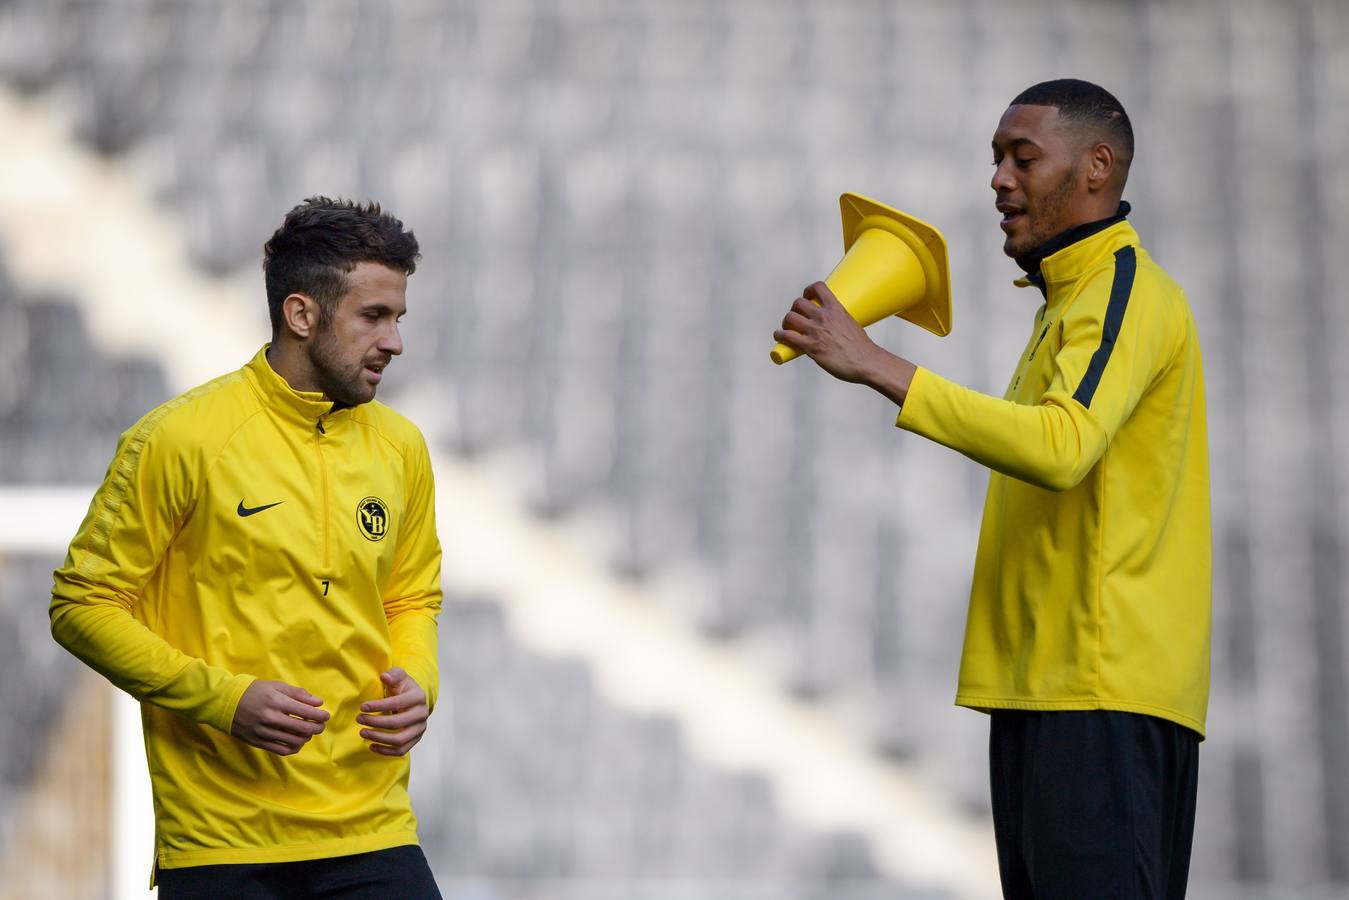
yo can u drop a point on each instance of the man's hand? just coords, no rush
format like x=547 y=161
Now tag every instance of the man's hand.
x=277 y=717
x=398 y=721
x=821 y=328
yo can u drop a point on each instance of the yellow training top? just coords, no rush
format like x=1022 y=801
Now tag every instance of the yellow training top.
x=1092 y=583
x=246 y=530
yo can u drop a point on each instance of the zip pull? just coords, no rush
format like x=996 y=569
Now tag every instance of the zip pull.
x=319 y=425
x=1038 y=343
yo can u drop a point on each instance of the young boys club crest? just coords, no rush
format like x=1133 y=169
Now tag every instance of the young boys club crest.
x=373 y=518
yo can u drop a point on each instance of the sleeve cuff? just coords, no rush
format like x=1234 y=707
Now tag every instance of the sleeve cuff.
x=230 y=703
x=911 y=410
x=422 y=671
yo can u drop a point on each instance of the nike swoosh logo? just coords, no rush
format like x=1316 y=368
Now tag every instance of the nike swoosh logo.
x=245 y=511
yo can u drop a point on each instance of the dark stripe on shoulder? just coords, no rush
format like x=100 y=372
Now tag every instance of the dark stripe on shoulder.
x=1125 y=264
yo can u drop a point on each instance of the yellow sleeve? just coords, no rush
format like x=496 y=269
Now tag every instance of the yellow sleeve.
x=412 y=599
x=144 y=498
x=1114 y=344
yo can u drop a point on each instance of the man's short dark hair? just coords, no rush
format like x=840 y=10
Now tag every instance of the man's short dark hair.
x=1086 y=105
x=322 y=240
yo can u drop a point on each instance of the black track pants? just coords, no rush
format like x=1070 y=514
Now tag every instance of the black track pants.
x=399 y=872
x=1094 y=804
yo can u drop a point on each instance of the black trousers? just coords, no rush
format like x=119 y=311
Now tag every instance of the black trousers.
x=399 y=872
x=1092 y=805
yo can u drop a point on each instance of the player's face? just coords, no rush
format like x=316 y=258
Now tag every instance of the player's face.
x=349 y=353
x=1036 y=177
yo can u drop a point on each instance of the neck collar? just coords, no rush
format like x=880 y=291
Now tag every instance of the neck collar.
x=309 y=407
x=1030 y=262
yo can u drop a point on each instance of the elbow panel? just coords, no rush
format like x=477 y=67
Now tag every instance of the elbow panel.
x=1077 y=443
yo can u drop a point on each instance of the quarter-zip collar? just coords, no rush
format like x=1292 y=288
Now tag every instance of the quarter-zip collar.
x=306 y=408
x=1049 y=252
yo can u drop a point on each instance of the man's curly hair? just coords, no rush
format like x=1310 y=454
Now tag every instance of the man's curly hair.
x=321 y=241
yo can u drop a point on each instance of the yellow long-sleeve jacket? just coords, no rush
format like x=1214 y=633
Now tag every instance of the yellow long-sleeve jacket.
x=246 y=530
x=1092 y=582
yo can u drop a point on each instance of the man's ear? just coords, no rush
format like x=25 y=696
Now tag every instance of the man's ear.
x=300 y=315
x=1100 y=166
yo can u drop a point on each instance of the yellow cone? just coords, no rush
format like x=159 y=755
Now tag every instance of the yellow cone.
x=893 y=265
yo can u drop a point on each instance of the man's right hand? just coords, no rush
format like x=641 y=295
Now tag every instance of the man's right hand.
x=277 y=717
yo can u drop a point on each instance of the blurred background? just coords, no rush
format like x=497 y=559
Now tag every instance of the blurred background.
x=703 y=613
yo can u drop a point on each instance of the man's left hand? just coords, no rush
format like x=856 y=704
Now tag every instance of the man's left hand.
x=821 y=328
x=397 y=722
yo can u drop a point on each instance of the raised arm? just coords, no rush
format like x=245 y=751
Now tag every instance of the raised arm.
x=1110 y=352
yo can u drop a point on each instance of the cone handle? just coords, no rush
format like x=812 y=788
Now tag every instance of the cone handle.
x=782 y=353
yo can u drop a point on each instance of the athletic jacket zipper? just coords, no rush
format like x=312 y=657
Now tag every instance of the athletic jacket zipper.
x=324 y=501
x=1025 y=363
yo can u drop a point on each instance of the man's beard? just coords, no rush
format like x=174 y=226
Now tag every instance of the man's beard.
x=1051 y=211
x=338 y=384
